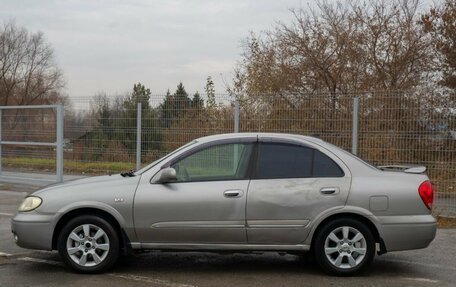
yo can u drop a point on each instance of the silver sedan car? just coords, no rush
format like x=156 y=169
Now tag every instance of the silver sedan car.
x=237 y=193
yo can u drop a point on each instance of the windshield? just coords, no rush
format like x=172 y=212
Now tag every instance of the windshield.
x=147 y=167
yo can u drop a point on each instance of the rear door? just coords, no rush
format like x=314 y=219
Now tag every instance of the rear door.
x=292 y=183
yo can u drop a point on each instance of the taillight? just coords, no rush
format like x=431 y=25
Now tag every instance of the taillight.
x=426 y=193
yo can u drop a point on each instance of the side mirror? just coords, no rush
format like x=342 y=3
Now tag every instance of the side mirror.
x=167 y=175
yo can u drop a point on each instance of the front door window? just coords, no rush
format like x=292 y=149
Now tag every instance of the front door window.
x=220 y=162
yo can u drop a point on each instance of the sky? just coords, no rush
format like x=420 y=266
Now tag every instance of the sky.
x=108 y=45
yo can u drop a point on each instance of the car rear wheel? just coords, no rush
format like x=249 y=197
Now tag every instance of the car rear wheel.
x=344 y=247
x=89 y=244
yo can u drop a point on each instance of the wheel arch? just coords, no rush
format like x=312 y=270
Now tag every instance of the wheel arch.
x=66 y=217
x=353 y=215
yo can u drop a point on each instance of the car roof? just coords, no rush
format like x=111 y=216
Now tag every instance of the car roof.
x=259 y=134
x=346 y=157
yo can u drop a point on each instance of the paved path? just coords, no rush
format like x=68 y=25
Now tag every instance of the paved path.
x=34 y=179
x=433 y=266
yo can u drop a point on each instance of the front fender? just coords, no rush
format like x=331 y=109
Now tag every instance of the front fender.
x=94 y=205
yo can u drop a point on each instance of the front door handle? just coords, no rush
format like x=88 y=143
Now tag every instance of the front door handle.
x=233 y=193
x=329 y=190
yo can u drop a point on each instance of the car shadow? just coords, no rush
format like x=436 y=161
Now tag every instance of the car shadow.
x=216 y=265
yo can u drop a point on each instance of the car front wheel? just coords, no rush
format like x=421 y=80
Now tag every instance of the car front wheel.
x=344 y=247
x=89 y=244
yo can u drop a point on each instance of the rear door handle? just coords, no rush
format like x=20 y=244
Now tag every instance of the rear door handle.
x=329 y=190
x=233 y=193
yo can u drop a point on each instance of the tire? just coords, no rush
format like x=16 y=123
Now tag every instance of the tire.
x=343 y=253
x=88 y=244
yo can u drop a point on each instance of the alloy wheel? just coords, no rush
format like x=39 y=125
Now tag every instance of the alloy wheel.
x=88 y=245
x=345 y=247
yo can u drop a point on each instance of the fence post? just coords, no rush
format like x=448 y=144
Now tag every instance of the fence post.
x=1 y=141
x=138 y=136
x=236 y=115
x=59 y=144
x=355 y=115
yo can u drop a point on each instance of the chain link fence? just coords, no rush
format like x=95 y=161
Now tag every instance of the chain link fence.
x=100 y=133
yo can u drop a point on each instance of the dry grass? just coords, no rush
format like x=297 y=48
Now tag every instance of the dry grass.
x=70 y=166
x=446 y=222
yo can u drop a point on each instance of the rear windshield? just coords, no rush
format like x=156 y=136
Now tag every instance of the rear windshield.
x=358 y=158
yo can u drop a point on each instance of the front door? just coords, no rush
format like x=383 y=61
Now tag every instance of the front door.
x=205 y=205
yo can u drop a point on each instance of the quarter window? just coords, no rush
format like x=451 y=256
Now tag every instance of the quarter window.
x=293 y=161
x=323 y=166
x=221 y=162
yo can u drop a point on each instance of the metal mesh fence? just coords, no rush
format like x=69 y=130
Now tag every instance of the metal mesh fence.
x=394 y=128
x=329 y=118
x=101 y=136
x=28 y=125
x=411 y=128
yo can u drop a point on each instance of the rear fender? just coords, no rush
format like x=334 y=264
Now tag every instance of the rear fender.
x=341 y=211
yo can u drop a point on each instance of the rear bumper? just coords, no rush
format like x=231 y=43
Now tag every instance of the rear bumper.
x=32 y=230
x=407 y=232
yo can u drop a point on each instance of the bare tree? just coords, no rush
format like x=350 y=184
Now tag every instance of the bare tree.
x=440 y=24
x=28 y=72
x=332 y=51
x=398 y=53
x=336 y=48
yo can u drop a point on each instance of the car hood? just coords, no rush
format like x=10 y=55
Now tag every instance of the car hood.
x=85 y=182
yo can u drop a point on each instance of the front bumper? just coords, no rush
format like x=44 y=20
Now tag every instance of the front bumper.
x=32 y=230
x=407 y=232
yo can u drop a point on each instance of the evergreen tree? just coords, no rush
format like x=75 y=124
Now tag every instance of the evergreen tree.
x=166 y=109
x=181 y=99
x=174 y=106
x=141 y=95
x=197 y=101
x=150 y=136
x=210 y=92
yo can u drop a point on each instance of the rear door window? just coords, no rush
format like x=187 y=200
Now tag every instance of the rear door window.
x=276 y=160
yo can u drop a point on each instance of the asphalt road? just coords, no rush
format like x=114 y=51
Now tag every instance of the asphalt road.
x=434 y=266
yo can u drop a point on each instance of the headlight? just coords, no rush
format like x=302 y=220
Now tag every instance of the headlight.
x=30 y=203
